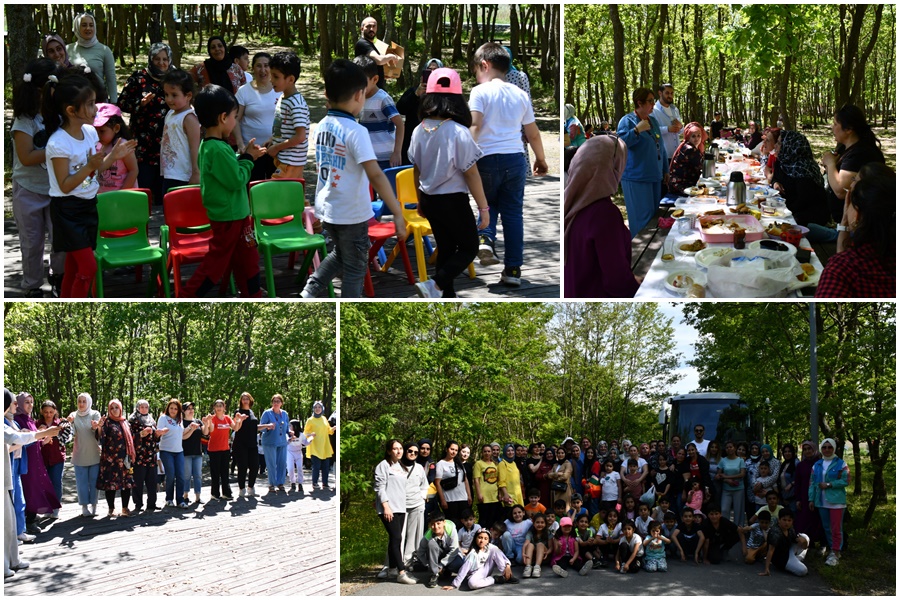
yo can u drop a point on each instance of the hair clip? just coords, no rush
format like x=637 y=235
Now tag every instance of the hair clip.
x=87 y=69
x=53 y=78
x=26 y=77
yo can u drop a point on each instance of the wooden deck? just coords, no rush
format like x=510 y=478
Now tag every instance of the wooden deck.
x=263 y=546
x=540 y=272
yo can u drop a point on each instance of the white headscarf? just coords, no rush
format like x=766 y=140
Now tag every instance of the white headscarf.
x=85 y=43
x=827 y=441
x=90 y=403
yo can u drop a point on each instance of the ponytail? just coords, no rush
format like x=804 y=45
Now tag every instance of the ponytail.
x=59 y=93
x=27 y=91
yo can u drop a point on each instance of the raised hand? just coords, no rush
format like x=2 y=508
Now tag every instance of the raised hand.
x=123 y=148
x=147 y=99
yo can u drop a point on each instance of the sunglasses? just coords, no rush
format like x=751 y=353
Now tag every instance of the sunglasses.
x=412 y=451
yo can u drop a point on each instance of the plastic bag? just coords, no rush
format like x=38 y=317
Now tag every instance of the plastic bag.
x=725 y=281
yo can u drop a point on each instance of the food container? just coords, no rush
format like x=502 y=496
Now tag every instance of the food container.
x=754 y=231
x=772 y=206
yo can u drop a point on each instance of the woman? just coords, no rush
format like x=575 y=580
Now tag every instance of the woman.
x=171 y=451
x=676 y=445
x=319 y=450
x=450 y=482
x=218 y=426
x=807 y=519
x=88 y=50
x=416 y=492
x=731 y=477
x=390 y=502
x=856 y=146
x=797 y=176
x=686 y=165
x=767 y=152
x=219 y=68
x=541 y=472
x=243 y=447
x=509 y=486
x=698 y=467
x=560 y=475
x=574 y=129
x=597 y=243
x=754 y=138
x=752 y=463
x=787 y=475
x=465 y=451
x=193 y=453
x=146 y=436
x=485 y=476
x=256 y=115
x=53 y=449
x=866 y=263
x=613 y=456
x=55 y=49
x=117 y=455
x=40 y=498
x=828 y=493
x=86 y=453
x=144 y=98
x=713 y=456
x=408 y=106
x=647 y=161
x=274 y=425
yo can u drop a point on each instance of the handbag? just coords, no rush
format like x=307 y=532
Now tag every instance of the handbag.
x=559 y=486
x=449 y=484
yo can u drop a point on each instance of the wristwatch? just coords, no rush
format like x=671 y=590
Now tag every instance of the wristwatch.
x=842 y=228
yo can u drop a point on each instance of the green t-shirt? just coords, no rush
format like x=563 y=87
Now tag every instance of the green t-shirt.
x=223 y=181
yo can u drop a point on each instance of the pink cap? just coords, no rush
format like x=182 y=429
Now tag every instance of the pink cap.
x=444 y=81
x=565 y=521
x=104 y=112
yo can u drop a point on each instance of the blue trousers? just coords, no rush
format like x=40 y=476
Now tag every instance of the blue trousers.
x=641 y=202
x=18 y=495
x=173 y=463
x=276 y=459
x=320 y=465
x=193 y=468
x=350 y=254
x=86 y=483
x=503 y=177
x=56 y=472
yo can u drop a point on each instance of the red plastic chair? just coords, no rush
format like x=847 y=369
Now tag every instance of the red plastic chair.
x=183 y=208
x=379 y=233
x=309 y=217
x=139 y=269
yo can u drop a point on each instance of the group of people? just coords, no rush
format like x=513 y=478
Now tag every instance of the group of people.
x=654 y=154
x=128 y=456
x=585 y=507
x=186 y=127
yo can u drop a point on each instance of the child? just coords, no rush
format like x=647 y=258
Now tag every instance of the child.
x=577 y=509
x=381 y=118
x=30 y=186
x=663 y=479
x=694 y=494
x=754 y=545
x=608 y=536
x=658 y=514
x=642 y=523
x=534 y=505
x=223 y=185
x=629 y=509
x=670 y=530
x=536 y=548
x=346 y=160
x=598 y=519
x=721 y=535
x=772 y=506
x=295 y=451
x=68 y=110
x=552 y=524
x=499 y=110
x=517 y=528
x=690 y=538
x=767 y=480
x=655 y=549
x=110 y=126
x=633 y=484
x=565 y=550
x=498 y=531
x=468 y=530
x=291 y=140
x=181 y=133
x=481 y=562
x=611 y=482
x=629 y=557
x=560 y=509
x=444 y=155
x=241 y=57
x=586 y=541
x=787 y=548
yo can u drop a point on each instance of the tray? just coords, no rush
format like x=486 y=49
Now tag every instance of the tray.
x=755 y=231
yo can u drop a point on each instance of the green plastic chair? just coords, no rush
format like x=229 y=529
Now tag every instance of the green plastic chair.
x=276 y=200
x=123 y=210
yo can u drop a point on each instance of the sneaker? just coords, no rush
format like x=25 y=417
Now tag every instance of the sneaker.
x=184 y=505
x=527 y=572
x=586 y=568
x=432 y=582
x=832 y=560
x=511 y=276
x=406 y=579
x=23 y=564
x=428 y=289
x=271 y=489
x=8 y=573
x=170 y=504
x=214 y=497
x=251 y=491
x=512 y=579
x=623 y=570
x=536 y=572
x=293 y=487
x=197 y=499
x=85 y=511
x=486 y=254
x=26 y=537
x=242 y=492
x=55 y=514
x=560 y=571
x=386 y=573
x=823 y=551
x=94 y=510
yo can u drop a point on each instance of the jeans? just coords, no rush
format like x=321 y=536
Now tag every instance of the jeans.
x=86 y=483
x=18 y=495
x=733 y=499
x=820 y=233
x=323 y=465
x=276 y=458
x=503 y=177
x=510 y=549
x=193 y=467
x=173 y=464
x=56 y=472
x=350 y=253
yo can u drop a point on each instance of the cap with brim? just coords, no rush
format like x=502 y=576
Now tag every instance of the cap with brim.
x=104 y=112
x=565 y=521
x=444 y=81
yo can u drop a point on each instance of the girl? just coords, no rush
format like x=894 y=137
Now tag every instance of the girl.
x=390 y=502
x=110 y=126
x=565 y=550
x=693 y=494
x=713 y=456
x=181 y=133
x=68 y=109
x=275 y=424
x=633 y=483
x=786 y=474
x=244 y=448
x=630 y=551
x=444 y=156
x=296 y=443
x=86 y=453
x=53 y=449
x=116 y=457
x=536 y=547
x=193 y=453
x=586 y=541
x=731 y=477
x=481 y=562
x=629 y=508
x=687 y=161
x=611 y=484
x=30 y=186
x=451 y=484
x=218 y=427
x=517 y=527
x=608 y=536
x=655 y=549
x=171 y=452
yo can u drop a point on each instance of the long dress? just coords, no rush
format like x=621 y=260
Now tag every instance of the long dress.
x=40 y=497
x=114 y=475
x=805 y=520
x=543 y=483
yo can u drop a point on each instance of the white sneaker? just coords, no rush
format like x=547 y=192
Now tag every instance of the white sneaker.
x=93 y=510
x=23 y=564
x=586 y=568
x=170 y=504
x=406 y=579
x=527 y=572
x=85 y=511
x=251 y=491
x=560 y=571
x=536 y=572
x=55 y=514
x=428 y=289
x=25 y=537
x=387 y=573
x=8 y=573
x=823 y=551
x=832 y=560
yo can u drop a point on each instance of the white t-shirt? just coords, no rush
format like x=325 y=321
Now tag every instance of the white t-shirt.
x=609 y=489
x=505 y=109
x=259 y=112
x=63 y=145
x=635 y=541
x=175 y=151
x=702 y=447
x=446 y=470
x=443 y=150
x=170 y=440
x=342 y=188
x=518 y=531
x=640 y=461
x=641 y=525
x=605 y=534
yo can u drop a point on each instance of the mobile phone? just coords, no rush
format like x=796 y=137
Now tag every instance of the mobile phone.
x=803 y=255
x=425 y=75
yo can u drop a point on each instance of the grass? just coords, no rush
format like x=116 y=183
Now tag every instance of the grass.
x=363 y=539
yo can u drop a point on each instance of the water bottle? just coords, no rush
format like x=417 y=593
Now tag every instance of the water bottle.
x=737 y=189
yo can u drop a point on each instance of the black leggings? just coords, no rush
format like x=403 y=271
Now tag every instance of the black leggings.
x=395 y=536
x=489 y=513
x=111 y=498
x=247 y=460
x=455 y=233
x=218 y=471
x=144 y=475
x=454 y=511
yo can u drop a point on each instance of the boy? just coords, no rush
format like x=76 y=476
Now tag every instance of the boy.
x=552 y=524
x=643 y=521
x=291 y=143
x=534 y=505
x=439 y=550
x=754 y=546
x=467 y=531
x=223 y=185
x=499 y=111
x=577 y=509
x=598 y=519
x=381 y=118
x=658 y=514
x=346 y=165
x=787 y=548
x=690 y=538
x=721 y=534
x=559 y=507
x=586 y=541
x=763 y=477
x=241 y=57
x=772 y=506
x=670 y=530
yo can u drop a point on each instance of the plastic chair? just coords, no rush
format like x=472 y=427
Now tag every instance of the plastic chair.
x=416 y=225
x=271 y=200
x=391 y=175
x=309 y=218
x=138 y=271
x=120 y=211
x=379 y=233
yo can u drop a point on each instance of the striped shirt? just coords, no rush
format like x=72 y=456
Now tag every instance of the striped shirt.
x=294 y=114
x=376 y=118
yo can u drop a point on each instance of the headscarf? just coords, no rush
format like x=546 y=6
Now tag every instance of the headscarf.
x=570 y=111
x=145 y=420
x=593 y=175
x=689 y=129
x=750 y=456
x=431 y=61
x=424 y=460
x=320 y=405
x=403 y=459
x=503 y=454
x=155 y=49
x=126 y=430
x=796 y=157
x=509 y=51
x=822 y=443
x=217 y=70
x=89 y=401
x=77 y=26
x=20 y=403
x=816 y=455
x=7 y=399
x=54 y=37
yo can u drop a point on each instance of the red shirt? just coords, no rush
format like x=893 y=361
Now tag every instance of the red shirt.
x=218 y=437
x=858 y=272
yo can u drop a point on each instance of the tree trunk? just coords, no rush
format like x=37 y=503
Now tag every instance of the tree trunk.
x=390 y=33
x=658 y=47
x=436 y=24
x=23 y=39
x=168 y=14
x=323 y=13
x=618 y=63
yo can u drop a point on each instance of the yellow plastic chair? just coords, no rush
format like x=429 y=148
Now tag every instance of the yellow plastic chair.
x=416 y=225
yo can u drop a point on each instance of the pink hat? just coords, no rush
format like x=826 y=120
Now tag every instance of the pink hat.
x=104 y=112
x=565 y=521
x=444 y=81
